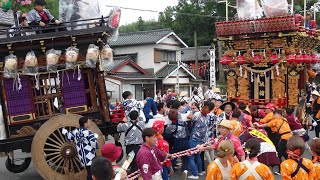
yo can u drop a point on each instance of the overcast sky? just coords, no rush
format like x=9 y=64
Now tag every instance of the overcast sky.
x=128 y=16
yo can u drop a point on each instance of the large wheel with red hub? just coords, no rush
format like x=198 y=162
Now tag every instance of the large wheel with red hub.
x=53 y=156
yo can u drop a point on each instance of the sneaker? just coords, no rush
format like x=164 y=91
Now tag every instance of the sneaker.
x=184 y=175
x=201 y=174
x=193 y=177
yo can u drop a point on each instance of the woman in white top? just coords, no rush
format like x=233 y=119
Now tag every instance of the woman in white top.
x=220 y=168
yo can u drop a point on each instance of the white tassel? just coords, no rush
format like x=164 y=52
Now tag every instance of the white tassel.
x=240 y=70
x=265 y=74
x=58 y=77
x=277 y=69
x=264 y=53
x=79 y=73
x=258 y=78
x=252 y=54
x=37 y=82
x=252 y=77
x=19 y=83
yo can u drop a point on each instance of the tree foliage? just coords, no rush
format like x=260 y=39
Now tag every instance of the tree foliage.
x=52 y=5
x=141 y=25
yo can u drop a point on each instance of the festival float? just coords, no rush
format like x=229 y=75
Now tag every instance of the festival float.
x=48 y=80
x=267 y=53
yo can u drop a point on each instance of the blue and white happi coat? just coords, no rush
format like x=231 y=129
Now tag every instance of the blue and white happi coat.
x=86 y=143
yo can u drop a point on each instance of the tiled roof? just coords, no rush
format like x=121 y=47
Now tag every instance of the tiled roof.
x=188 y=54
x=139 y=38
x=116 y=62
x=166 y=70
x=6 y=18
x=133 y=76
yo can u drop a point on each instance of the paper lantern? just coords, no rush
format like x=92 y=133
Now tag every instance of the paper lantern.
x=92 y=54
x=31 y=60
x=299 y=58
x=306 y=58
x=106 y=53
x=257 y=59
x=225 y=60
x=71 y=56
x=52 y=59
x=11 y=64
x=291 y=58
x=313 y=59
x=274 y=59
x=241 y=60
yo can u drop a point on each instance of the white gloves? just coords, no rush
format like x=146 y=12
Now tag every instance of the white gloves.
x=96 y=135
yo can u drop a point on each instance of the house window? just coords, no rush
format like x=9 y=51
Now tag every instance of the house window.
x=164 y=55
x=168 y=56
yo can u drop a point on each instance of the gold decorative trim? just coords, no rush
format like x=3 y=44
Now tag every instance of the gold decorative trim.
x=25 y=131
x=77 y=109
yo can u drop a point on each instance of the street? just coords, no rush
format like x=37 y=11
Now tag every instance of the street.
x=31 y=173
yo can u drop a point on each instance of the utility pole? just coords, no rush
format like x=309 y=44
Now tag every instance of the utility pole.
x=196 y=52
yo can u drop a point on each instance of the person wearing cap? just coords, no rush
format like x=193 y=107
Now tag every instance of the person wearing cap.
x=112 y=152
x=315 y=152
x=316 y=110
x=227 y=109
x=149 y=157
x=296 y=167
x=280 y=127
x=163 y=145
x=225 y=128
x=269 y=111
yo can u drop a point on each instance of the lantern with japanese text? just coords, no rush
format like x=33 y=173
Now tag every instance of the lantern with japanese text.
x=225 y=60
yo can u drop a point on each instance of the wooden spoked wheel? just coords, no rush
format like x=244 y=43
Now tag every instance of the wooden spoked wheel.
x=53 y=156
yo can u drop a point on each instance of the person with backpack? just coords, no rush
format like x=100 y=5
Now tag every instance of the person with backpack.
x=133 y=135
x=251 y=168
x=296 y=167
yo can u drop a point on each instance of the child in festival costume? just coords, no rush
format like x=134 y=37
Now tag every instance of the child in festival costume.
x=296 y=167
x=163 y=146
x=113 y=153
x=220 y=168
x=315 y=152
x=251 y=169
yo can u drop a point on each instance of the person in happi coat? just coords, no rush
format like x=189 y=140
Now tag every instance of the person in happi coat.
x=149 y=157
x=296 y=167
x=86 y=142
x=251 y=168
x=220 y=168
x=315 y=152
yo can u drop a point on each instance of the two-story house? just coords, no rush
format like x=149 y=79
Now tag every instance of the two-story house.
x=146 y=61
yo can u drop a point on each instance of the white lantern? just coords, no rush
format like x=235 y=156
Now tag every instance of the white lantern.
x=92 y=54
x=71 y=56
x=11 y=64
x=52 y=59
x=31 y=60
x=106 y=53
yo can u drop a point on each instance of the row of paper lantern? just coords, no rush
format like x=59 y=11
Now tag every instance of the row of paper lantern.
x=274 y=59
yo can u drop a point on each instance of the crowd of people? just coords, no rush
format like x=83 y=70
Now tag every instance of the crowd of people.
x=220 y=140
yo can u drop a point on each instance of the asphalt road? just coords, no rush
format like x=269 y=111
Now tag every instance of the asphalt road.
x=31 y=173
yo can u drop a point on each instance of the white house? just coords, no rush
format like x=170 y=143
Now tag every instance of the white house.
x=154 y=56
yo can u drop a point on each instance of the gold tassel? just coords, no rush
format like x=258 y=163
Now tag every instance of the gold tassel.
x=272 y=75
x=245 y=74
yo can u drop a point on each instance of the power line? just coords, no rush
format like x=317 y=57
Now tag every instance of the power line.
x=173 y=13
